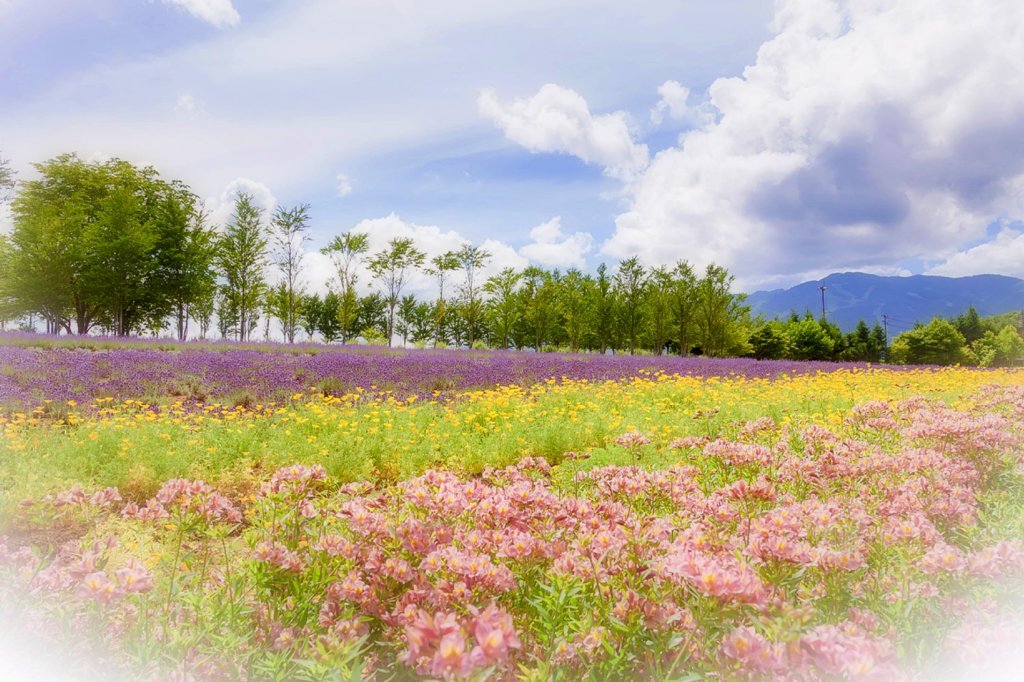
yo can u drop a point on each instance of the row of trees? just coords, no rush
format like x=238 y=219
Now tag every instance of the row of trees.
x=632 y=309
x=807 y=338
x=967 y=339
x=112 y=247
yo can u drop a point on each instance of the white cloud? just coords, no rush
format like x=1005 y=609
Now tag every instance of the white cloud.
x=221 y=207
x=557 y=119
x=220 y=13
x=865 y=133
x=553 y=248
x=378 y=113
x=1004 y=255
x=673 y=102
x=433 y=241
x=189 y=106
x=344 y=185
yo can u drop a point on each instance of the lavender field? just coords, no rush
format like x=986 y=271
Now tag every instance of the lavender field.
x=55 y=369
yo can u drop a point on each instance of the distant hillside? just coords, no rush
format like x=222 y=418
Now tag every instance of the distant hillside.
x=852 y=296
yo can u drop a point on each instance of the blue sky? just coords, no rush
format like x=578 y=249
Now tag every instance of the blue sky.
x=784 y=140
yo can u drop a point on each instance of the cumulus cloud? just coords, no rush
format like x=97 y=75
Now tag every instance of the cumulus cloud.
x=1004 y=255
x=344 y=185
x=220 y=13
x=865 y=133
x=433 y=241
x=558 y=119
x=220 y=208
x=672 y=102
x=553 y=248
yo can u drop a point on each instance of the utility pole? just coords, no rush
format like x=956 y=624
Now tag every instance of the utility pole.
x=885 y=325
x=822 y=288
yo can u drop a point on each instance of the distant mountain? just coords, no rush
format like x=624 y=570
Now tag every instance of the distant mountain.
x=853 y=296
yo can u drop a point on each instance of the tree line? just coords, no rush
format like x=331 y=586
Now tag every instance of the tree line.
x=110 y=247
x=967 y=339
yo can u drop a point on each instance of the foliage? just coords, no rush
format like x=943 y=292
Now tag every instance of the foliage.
x=936 y=343
x=6 y=179
x=288 y=230
x=346 y=252
x=242 y=256
x=392 y=267
x=99 y=244
x=999 y=350
x=770 y=342
x=809 y=340
x=471 y=258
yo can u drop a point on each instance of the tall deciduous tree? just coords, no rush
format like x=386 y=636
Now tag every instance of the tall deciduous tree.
x=503 y=305
x=242 y=257
x=441 y=267
x=717 y=311
x=185 y=271
x=346 y=252
x=659 y=308
x=684 y=294
x=472 y=258
x=289 y=229
x=392 y=267
x=631 y=287
x=574 y=306
x=91 y=245
x=603 y=307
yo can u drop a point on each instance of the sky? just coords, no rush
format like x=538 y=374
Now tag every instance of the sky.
x=784 y=140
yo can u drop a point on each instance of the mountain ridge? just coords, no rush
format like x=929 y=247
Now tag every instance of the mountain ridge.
x=854 y=296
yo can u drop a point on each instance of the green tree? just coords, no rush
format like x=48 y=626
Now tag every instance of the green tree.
x=1002 y=349
x=936 y=343
x=659 y=308
x=631 y=289
x=328 y=321
x=441 y=268
x=407 y=311
x=684 y=302
x=310 y=313
x=202 y=310
x=289 y=228
x=346 y=252
x=770 y=342
x=969 y=325
x=118 y=259
x=809 y=340
x=471 y=258
x=574 y=306
x=92 y=243
x=372 y=318
x=421 y=322
x=603 y=307
x=242 y=258
x=538 y=302
x=392 y=267
x=717 y=312
x=185 y=272
x=227 y=314
x=503 y=305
